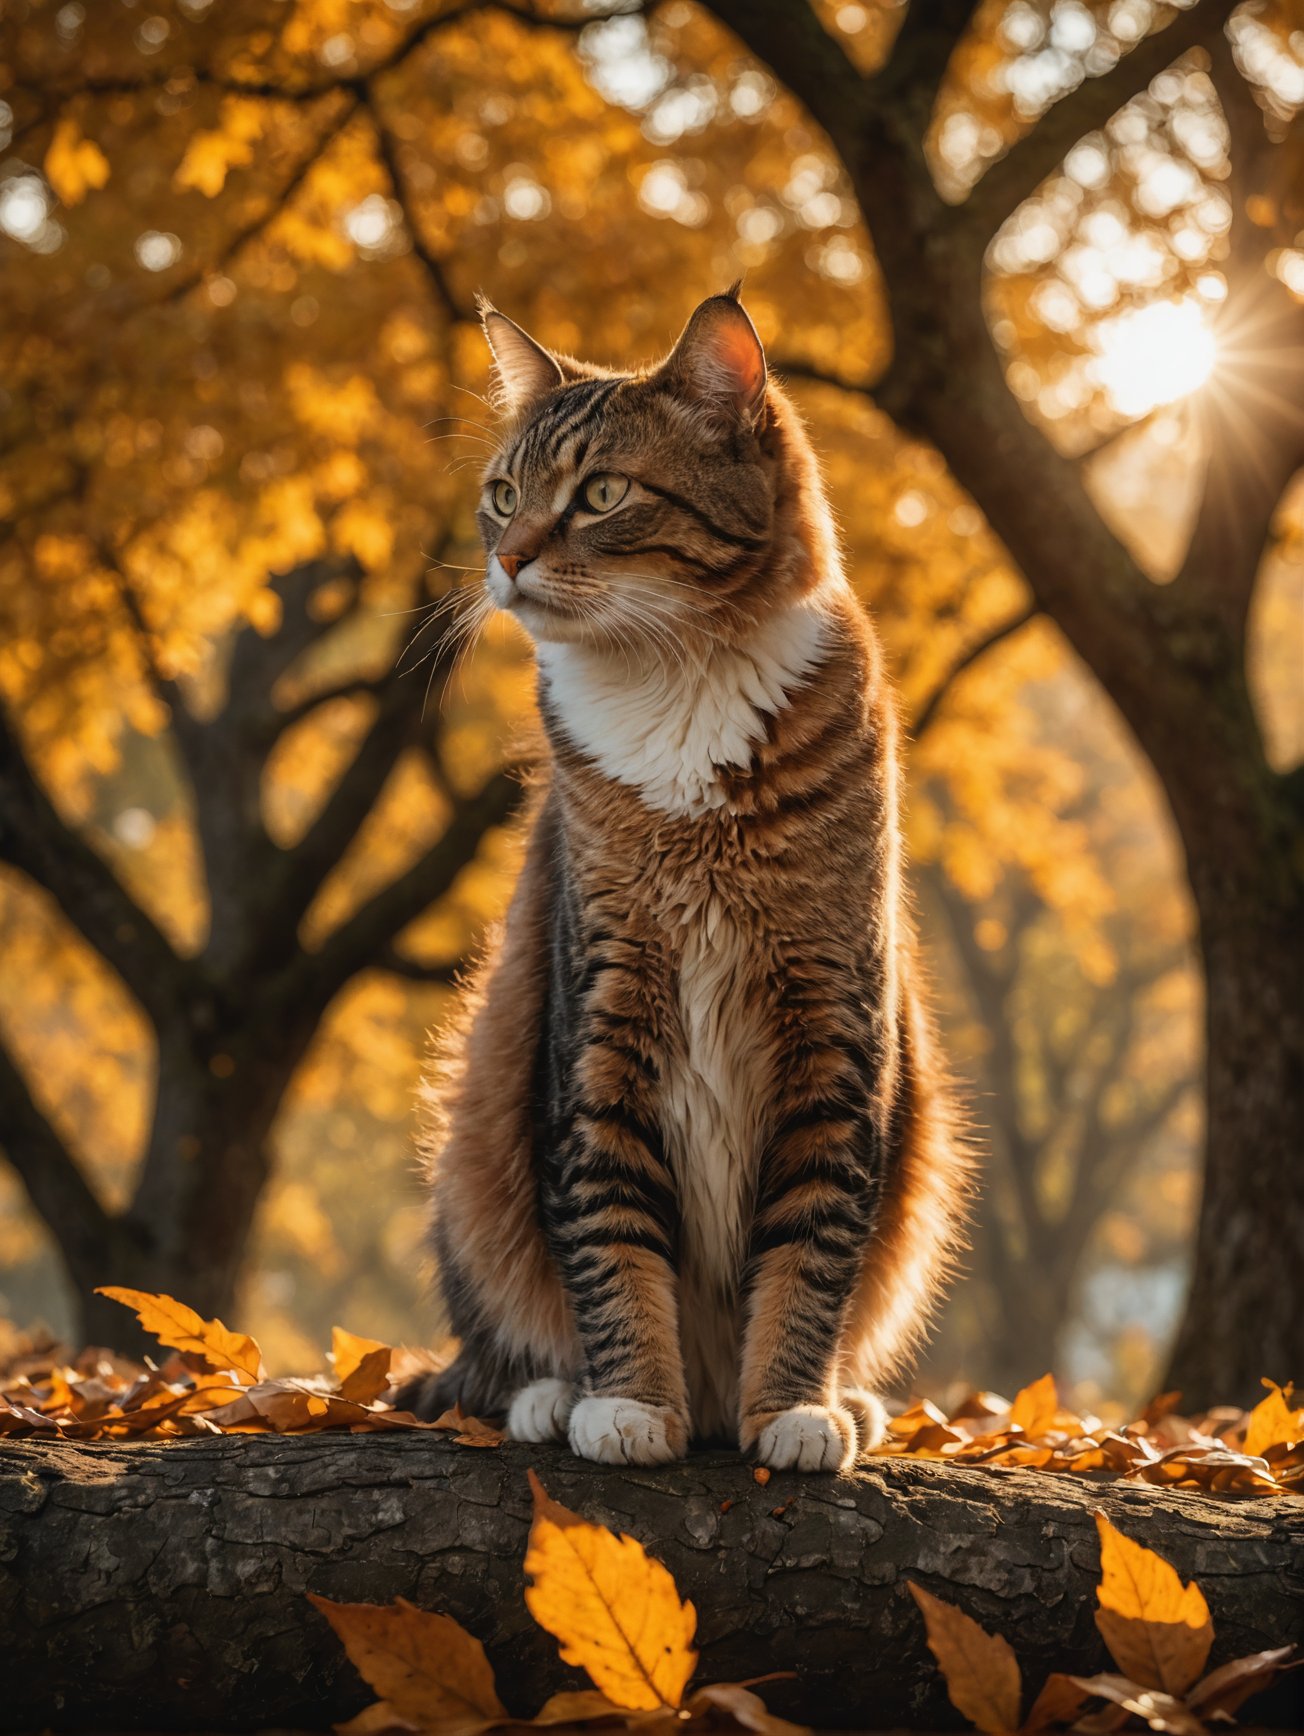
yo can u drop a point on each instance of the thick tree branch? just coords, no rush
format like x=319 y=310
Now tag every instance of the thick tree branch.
x=370 y=931
x=815 y=67
x=1254 y=409
x=35 y=839
x=923 y=48
x=932 y=705
x=58 y=1190
x=1018 y=174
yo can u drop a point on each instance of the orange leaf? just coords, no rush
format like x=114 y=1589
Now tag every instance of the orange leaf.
x=1036 y=1407
x=1158 y=1630
x=425 y=1667
x=1273 y=1423
x=762 y=1474
x=982 y=1673
x=174 y=1324
x=361 y=1366
x=614 y=1609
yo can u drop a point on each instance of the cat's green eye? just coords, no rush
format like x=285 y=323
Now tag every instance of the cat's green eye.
x=601 y=493
x=503 y=496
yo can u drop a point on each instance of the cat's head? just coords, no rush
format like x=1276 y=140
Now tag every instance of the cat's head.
x=648 y=507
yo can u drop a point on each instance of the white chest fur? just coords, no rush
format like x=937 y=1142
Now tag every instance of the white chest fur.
x=714 y=1107
x=666 y=725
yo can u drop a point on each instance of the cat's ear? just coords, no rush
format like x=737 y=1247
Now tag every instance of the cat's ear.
x=719 y=360
x=523 y=370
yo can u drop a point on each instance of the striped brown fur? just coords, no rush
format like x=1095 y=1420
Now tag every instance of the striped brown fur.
x=695 y=1169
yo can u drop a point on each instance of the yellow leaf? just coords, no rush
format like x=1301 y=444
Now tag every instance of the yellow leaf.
x=1272 y=1423
x=172 y=1323
x=426 y=1667
x=615 y=1611
x=74 y=164
x=982 y=1673
x=1035 y=1408
x=1158 y=1630
x=361 y=1365
x=210 y=156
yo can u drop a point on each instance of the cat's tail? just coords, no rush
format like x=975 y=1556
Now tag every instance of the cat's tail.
x=921 y=1230
x=479 y=1385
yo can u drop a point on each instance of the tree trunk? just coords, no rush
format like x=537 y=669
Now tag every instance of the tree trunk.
x=161 y=1586
x=1244 y=1317
x=186 y=1230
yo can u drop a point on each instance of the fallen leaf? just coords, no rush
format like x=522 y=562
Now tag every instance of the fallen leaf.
x=578 y=1706
x=425 y=1667
x=746 y=1710
x=1273 y=1422
x=1035 y=1408
x=1158 y=1631
x=173 y=1324
x=614 y=1609
x=361 y=1366
x=761 y=1474
x=374 y=1720
x=981 y=1671
x=1224 y=1689
x=1161 y=1711
x=470 y=1431
x=1058 y=1703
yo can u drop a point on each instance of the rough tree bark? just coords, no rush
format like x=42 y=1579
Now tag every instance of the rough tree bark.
x=162 y=1586
x=1172 y=658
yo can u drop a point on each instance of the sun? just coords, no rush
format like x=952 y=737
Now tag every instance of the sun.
x=1153 y=355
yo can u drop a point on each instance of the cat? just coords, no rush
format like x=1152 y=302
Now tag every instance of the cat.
x=695 y=1167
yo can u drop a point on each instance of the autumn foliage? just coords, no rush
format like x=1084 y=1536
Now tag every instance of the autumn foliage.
x=215 y=1383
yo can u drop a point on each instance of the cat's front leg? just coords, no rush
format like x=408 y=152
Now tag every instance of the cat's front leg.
x=612 y=1217
x=819 y=1180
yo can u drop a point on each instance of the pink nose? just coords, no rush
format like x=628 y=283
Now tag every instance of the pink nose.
x=512 y=564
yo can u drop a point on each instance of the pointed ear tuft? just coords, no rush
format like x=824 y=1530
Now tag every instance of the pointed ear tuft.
x=735 y=290
x=719 y=360
x=523 y=370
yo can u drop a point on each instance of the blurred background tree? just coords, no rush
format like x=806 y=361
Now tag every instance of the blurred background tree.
x=1035 y=272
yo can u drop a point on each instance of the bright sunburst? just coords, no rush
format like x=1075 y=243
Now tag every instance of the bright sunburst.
x=1153 y=355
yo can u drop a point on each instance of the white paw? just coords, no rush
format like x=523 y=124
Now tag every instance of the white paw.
x=540 y=1411
x=621 y=1431
x=806 y=1438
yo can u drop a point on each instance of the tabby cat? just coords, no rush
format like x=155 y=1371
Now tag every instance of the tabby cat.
x=695 y=1175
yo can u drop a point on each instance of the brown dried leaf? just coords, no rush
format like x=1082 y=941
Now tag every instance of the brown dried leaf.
x=426 y=1667
x=1058 y=1703
x=742 y=1708
x=1161 y=1711
x=981 y=1671
x=1224 y=1689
